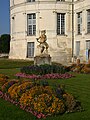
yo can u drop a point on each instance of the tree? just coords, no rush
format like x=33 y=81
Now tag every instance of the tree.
x=5 y=43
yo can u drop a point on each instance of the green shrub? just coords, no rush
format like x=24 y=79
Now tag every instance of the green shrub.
x=42 y=69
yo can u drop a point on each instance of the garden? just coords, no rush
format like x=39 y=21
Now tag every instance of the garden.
x=48 y=92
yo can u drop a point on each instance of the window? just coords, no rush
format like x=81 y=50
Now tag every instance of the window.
x=87 y=49
x=77 y=48
x=13 y=24
x=61 y=0
x=88 y=44
x=30 y=49
x=88 y=21
x=12 y=2
x=60 y=23
x=31 y=21
x=30 y=0
x=79 y=22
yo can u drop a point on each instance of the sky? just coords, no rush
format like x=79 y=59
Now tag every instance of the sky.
x=4 y=17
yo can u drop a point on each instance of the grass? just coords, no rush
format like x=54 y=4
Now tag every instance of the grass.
x=11 y=67
x=10 y=64
x=79 y=86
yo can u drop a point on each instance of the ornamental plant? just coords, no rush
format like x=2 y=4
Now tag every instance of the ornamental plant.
x=43 y=100
x=80 y=68
x=71 y=103
x=3 y=79
x=27 y=97
x=8 y=84
x=46 y=76
x=4 y=76
x=13 y=91
x=17 y=90
x=59 y=91
x=42 y=69
x=40 y=99
x=77 y=68
x=86 y=69
x=48 y=104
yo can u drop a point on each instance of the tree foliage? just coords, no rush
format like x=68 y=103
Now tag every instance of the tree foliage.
x=5 y=43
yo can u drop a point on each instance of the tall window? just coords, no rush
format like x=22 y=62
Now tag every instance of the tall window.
x=31 y=21
x=12 y=2
x=13 y=25
x=88 y=44
x=30 y=49
x=79 y=22
x=77 y=48
x=88 y=21
x=30 y=0
x=60 y=23
x=88 y=49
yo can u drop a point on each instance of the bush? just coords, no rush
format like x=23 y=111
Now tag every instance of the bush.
x=42 y=69
x=60 y=90
x=71 y=104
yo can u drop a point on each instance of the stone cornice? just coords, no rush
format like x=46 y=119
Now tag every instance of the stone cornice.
x=40 y=2
x=78 y=1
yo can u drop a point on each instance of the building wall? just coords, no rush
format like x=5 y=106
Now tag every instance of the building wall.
x=46 y=18
x=82 y=6
x=60 y=46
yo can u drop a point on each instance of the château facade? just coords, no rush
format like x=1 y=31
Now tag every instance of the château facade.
x=67 y=25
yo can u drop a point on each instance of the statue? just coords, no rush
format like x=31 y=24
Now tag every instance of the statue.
x=43 y=57
x=42 y=40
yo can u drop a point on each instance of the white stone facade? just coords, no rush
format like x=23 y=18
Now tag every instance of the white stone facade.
x=60 y=45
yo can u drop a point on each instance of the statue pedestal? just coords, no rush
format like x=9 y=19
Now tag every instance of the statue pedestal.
x=42 y=59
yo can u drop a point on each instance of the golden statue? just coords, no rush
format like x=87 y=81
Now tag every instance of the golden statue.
x=42 y=40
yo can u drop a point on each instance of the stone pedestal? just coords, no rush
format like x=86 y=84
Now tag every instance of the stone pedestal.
x=42 y=59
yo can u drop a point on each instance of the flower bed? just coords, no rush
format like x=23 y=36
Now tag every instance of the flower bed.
x=40 y=100
x=8 y=84
x=80 y=68
x=46 y=76
x=3 y=79
x=17 y=90
x=28 y=109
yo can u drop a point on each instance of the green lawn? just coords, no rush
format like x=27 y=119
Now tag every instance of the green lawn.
x=79 y=86
x=10 y=64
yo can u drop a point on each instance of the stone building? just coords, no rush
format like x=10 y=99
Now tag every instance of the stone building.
x=67 y=25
